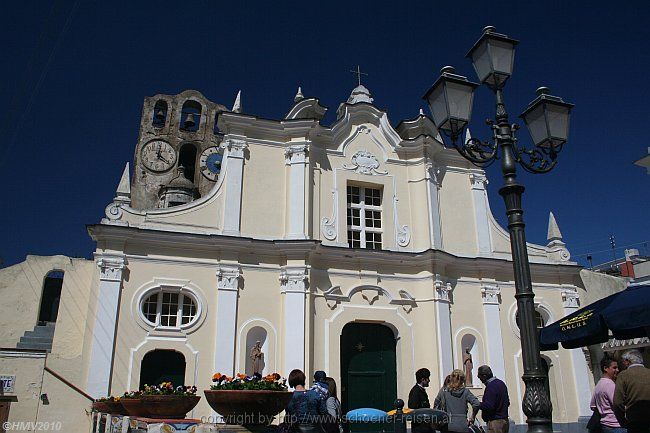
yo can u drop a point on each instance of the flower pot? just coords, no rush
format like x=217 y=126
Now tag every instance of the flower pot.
x=134 y=407
x=169 y=406
x=115 y=407
x=101 y=406
x=248 y=407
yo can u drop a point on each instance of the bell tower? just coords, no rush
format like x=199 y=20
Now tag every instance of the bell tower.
x=178 y=137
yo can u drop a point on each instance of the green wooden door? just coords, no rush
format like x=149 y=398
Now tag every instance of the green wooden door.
x=368 y=367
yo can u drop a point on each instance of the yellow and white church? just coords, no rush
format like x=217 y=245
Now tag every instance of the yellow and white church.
x=362 y=248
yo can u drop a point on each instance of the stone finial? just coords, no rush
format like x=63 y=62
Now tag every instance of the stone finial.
x=360 y=94
x=237 y=107
x=123 y=191
x=299 y=96
x=421 y=112
x=556 y=249
x=554 y=233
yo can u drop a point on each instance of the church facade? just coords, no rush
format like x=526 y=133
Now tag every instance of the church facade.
x=360 y=248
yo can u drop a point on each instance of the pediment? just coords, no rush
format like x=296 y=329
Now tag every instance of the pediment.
x=364 y=127
x=309 y=108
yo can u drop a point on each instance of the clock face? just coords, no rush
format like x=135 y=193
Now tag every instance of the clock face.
x=158 y=155
x=211 y=162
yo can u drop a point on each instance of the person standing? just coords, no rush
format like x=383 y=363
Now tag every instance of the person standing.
x=454 y=399
x=418 y=399
x=306 y=406
x=632 y=394
x=333 y=404
x=603 y=398
x=494 y=407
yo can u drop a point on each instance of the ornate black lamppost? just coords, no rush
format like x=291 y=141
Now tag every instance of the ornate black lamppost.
x=547 y=118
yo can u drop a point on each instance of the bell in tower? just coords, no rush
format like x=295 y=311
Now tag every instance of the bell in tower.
x=189 y=121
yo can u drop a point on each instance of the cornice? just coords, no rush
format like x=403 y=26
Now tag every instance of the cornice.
x=316 y=254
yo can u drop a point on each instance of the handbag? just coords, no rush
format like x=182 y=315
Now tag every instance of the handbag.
x=593 y=425
x=475 y=427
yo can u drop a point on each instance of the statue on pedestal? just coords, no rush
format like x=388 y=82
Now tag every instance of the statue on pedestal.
x=468 y=365
x=257 y=356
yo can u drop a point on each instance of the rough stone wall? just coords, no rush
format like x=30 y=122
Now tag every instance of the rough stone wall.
x=146 y=183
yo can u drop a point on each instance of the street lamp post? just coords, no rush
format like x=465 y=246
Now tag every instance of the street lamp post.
x=547 y=119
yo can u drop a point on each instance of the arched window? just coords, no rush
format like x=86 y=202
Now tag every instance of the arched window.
x=187 y=159
x=540 y=319
x=162 y=366
x=190 y=116
x=159 y=114
x=170 y=309
x=50 y=297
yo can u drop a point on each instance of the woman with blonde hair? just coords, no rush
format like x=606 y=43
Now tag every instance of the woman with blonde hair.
x=454 y=399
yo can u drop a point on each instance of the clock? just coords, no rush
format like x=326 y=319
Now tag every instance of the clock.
x=158 y=155
x=211 y=162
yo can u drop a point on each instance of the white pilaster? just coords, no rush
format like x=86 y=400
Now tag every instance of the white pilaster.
x=481 y=209
x=296 y=159
x=494 y=343
x=234 y=154
x=443 y=327
x=228 y=277
x=433 y=190
x=580 y=368
x=103 y=345
x=294 y=280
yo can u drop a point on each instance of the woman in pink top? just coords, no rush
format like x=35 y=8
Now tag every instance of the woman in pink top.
x=603 y=398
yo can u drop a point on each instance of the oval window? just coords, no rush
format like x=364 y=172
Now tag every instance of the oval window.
x=169 y=309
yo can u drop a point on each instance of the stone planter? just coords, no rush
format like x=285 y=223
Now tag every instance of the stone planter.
x=101 y=406
x=169 y=406
x=115 y=408
x=246 y=407
x=134 y=407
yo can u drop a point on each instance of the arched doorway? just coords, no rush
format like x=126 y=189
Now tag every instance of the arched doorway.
x=50 y=298
x=162 y=366
x=368 y=366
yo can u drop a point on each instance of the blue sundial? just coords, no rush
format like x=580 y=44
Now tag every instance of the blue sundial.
x=214 y=162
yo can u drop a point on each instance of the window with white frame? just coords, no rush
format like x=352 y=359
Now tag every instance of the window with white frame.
x=169 y=309
x=364 y=217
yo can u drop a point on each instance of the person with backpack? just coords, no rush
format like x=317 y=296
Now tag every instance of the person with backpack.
x=454 y=399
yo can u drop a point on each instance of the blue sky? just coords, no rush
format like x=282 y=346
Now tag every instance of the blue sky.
x=75 y=75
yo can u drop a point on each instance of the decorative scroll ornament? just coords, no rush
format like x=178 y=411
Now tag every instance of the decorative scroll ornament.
x=402 y=233
x=443 y=290
x=365 y=162
x=296 y=153
x=490 y=294
x=570 y=298
x=478 y=180
x=111 y=267
x=234 y=146
x=294 y=279
x=328 y=225
x=228 y=277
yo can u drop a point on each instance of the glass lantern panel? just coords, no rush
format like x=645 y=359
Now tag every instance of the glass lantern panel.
x=481 y=61
x=438 y=106
x=558 y=121
x=502 y=54
x=536 y=123
x=460 y=99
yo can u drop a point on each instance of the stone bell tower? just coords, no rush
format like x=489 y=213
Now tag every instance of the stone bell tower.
x=178 y=136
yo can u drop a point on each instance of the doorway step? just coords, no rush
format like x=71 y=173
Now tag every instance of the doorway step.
x=40 y=338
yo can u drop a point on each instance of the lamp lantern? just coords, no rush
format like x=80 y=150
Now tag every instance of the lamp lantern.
x=547 y=119
x=493 y=57
x=450 y=101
